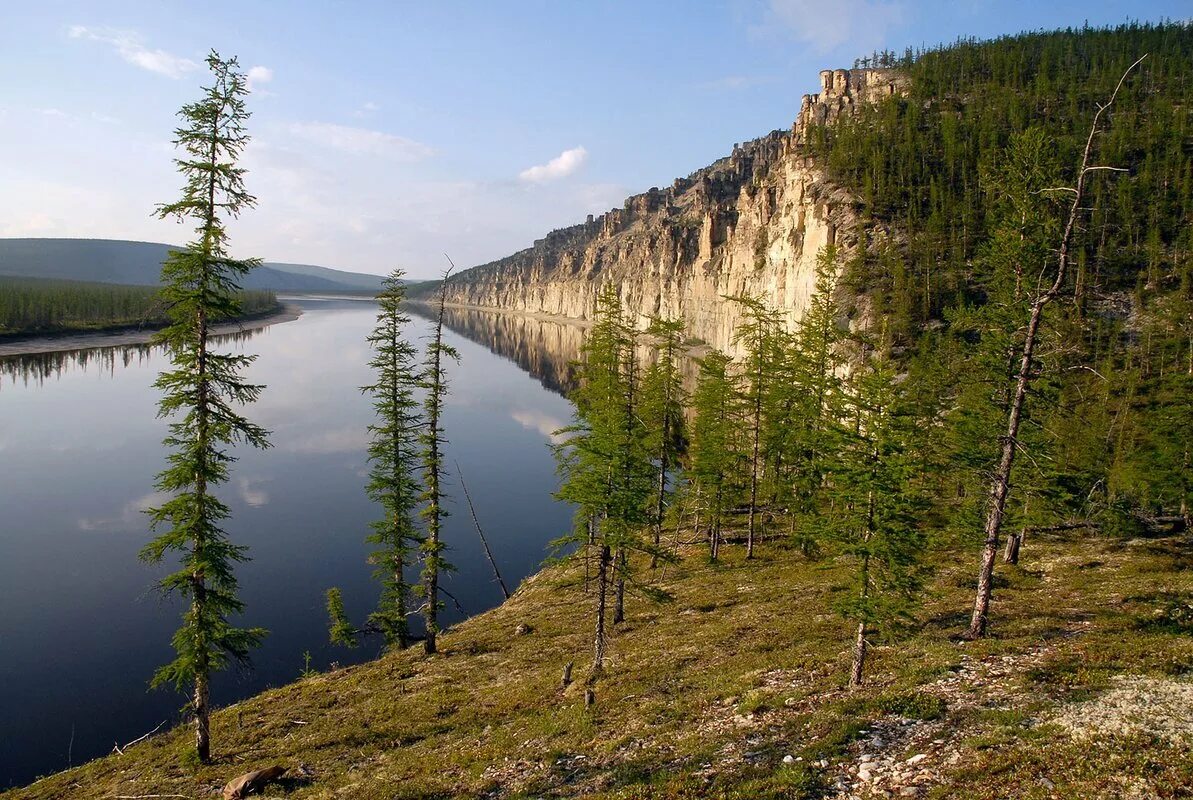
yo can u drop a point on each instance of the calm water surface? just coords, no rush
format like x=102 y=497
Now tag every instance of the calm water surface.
x=81 y=628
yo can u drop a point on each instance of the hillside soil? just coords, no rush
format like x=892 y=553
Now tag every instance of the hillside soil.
x=736 y=689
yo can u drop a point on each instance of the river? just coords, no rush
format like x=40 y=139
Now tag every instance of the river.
x=82 y=628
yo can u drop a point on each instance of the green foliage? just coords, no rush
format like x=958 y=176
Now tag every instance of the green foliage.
x=662 y=412
x=201 y=392
x=434 y=384
x=341 y=631
x=969 y=167
x=394 y=458
x=606 y=464
x=716 y=458
x=875 y=517
x=31 y=306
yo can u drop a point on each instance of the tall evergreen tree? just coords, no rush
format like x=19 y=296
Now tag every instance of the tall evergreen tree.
x=394 y=455
x=715 y=456
x=663 y=405
x=606 y=472
x=434 y=384
x=817 y=364
x=760 y=336
x=875 y=509
x=201 y=392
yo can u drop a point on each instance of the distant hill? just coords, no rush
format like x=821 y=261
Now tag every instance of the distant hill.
x=139 y=263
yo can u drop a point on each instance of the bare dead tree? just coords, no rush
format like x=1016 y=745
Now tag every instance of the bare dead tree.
x=1000 y=484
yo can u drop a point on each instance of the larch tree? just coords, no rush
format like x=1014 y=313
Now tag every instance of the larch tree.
x=606 y=472
x=875 y=509
x=1045 y=293
x=435 y=387
x=760 y=335
x=817 y=363
x=663 y=408
x=201 y=394
x=715 y=458
x=394 y=455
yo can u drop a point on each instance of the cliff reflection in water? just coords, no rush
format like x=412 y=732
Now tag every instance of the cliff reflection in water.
x=544 y=348
x=37 y=368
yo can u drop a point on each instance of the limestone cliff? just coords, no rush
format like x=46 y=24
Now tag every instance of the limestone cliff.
x=751 y=223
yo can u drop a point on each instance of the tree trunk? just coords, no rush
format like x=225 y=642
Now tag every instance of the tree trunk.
x=1000 y=485
x=754 y=467
x=619 y=598
x=859 y=656
x=598 y=648
x=1011 y=554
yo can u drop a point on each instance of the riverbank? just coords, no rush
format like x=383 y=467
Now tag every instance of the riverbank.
x=286 y=312
x=735 y=690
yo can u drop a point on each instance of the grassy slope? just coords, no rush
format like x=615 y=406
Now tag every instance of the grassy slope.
x=708 y=694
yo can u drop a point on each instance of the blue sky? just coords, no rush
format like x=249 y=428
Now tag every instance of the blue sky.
x=388 y=133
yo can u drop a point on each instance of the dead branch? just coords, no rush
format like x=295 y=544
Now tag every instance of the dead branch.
x=484 y=542
x=120 y=750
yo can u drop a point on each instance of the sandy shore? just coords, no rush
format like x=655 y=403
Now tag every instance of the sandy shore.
x=88 y=341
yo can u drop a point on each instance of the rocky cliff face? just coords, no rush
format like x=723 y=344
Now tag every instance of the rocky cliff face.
x=751 y=223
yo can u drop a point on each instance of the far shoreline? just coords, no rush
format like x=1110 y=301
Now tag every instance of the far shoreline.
x=129 y=336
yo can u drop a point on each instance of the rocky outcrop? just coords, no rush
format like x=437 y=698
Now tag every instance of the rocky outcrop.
x=751 y=223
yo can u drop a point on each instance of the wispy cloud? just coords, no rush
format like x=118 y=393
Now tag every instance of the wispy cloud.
x=361 y=141
x=366 y=110
x=259 y=76
x=561 y=166
x=862 y=23
x=128 y=45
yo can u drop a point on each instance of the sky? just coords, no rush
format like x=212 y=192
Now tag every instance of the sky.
x=386 y=134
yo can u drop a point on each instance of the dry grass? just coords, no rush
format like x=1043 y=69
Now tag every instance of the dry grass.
x=707 y=694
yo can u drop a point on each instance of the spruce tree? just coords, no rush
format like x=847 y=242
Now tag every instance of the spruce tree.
x=201 y=393
x=394 y=455
x=434 y=384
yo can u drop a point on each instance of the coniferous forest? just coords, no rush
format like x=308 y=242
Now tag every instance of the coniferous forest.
x=35 y=307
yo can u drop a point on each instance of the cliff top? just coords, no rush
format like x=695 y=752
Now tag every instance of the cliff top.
x=841 y=90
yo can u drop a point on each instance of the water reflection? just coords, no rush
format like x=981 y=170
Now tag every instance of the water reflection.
x=80 y=442
x=547 y=349
x=37 y=368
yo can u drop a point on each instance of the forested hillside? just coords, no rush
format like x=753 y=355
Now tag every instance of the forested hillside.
x=33 y=306
x=972 y=166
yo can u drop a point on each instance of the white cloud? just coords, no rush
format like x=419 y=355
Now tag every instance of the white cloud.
x=259 y=75
x=251 y=493
x=132 y=515
x=561 y=166
x=544 y=424
x=361 y=141
x=128 y=45
x=861 y=23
